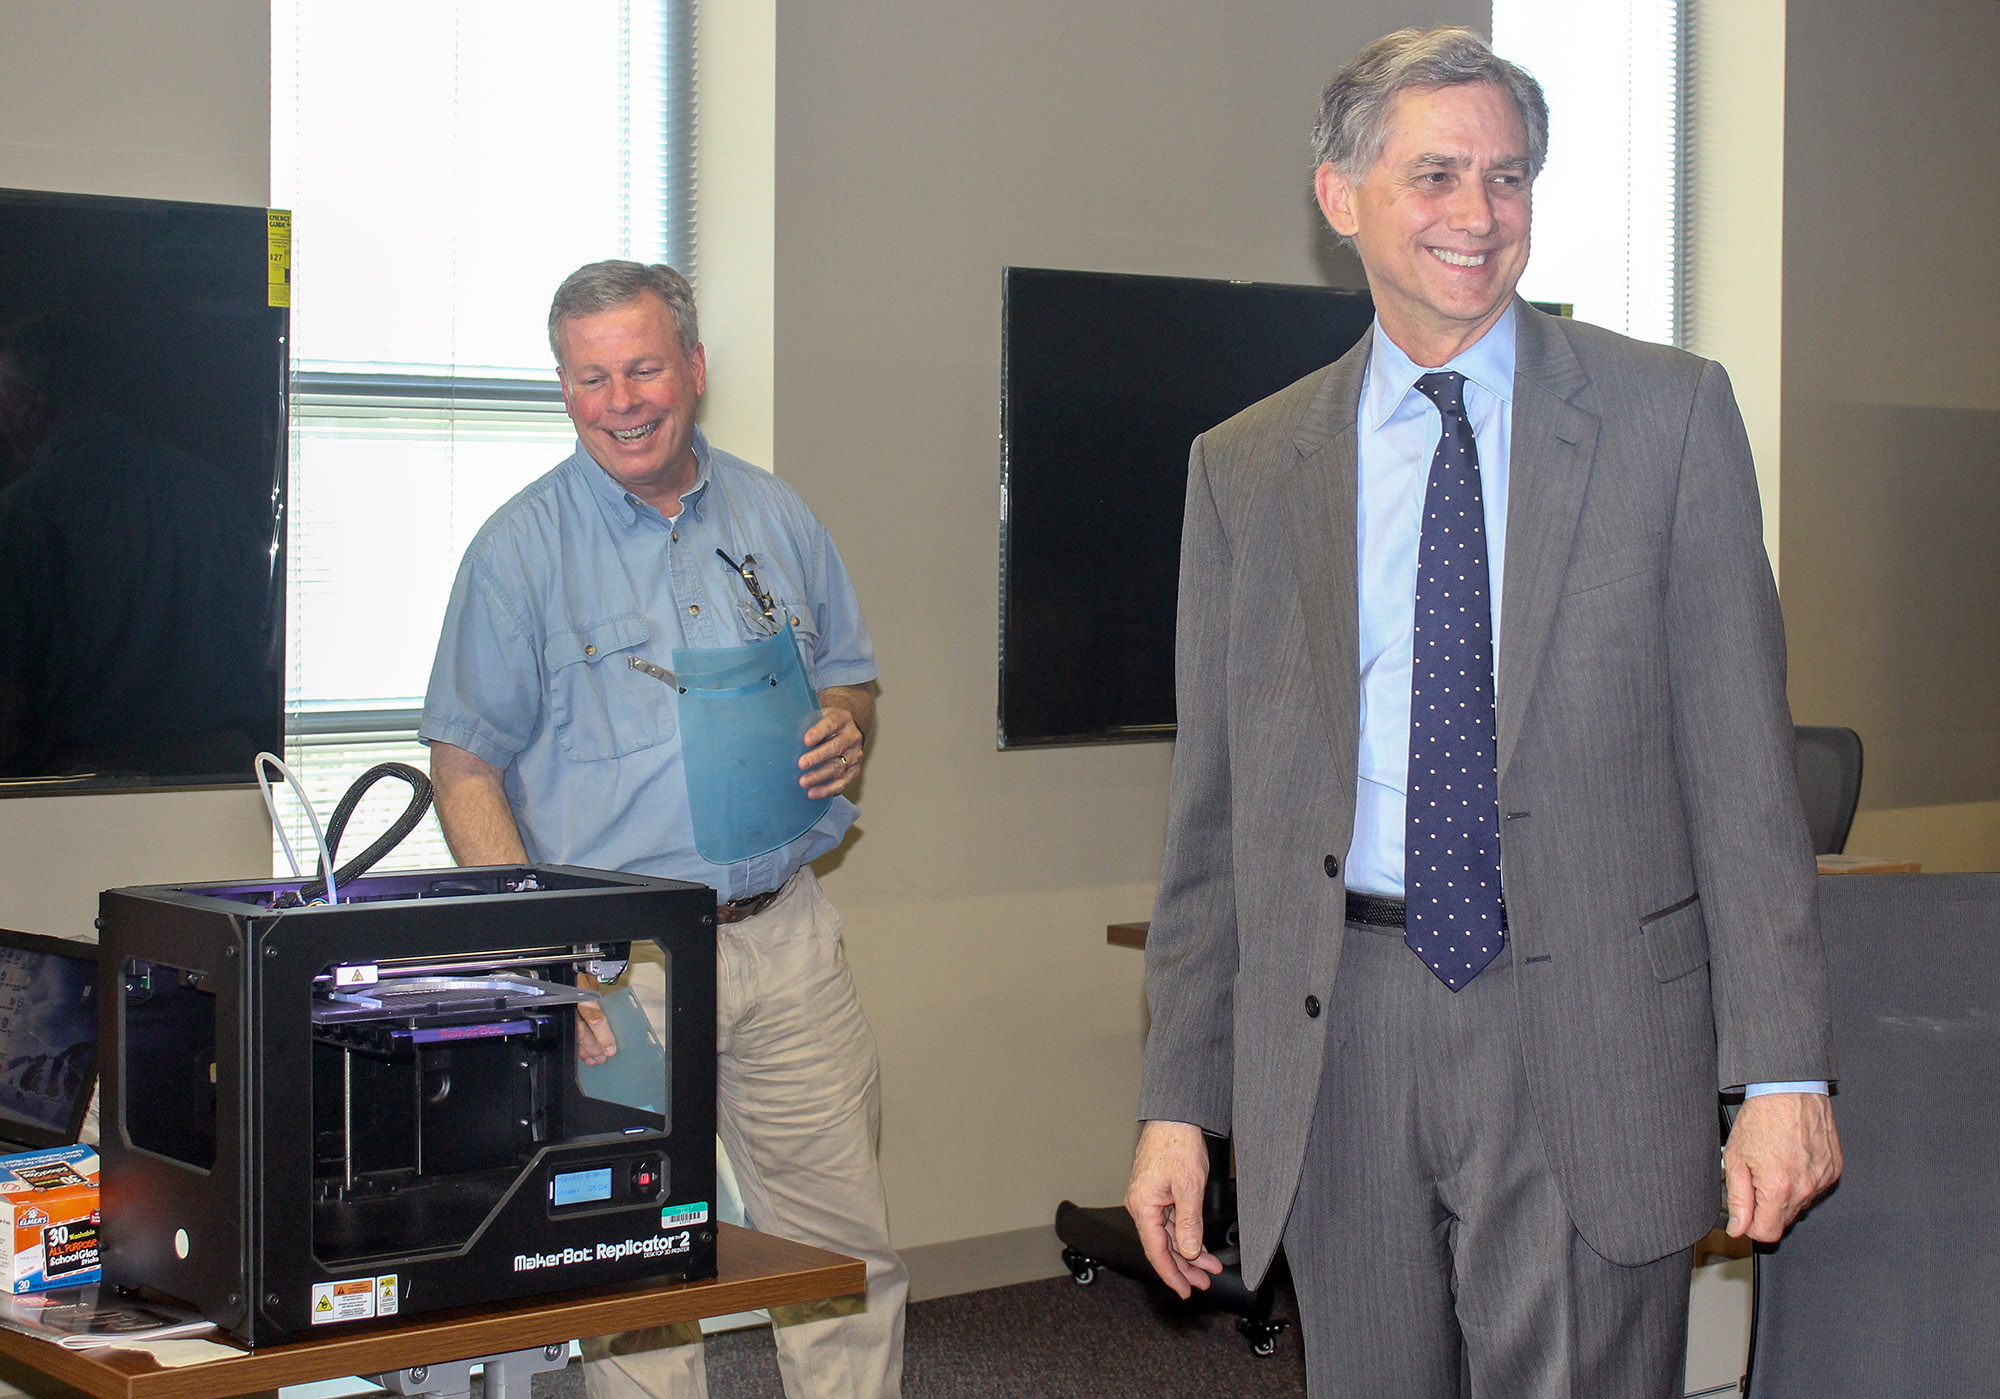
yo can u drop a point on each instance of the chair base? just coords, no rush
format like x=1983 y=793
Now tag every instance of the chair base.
x=1106 y=1238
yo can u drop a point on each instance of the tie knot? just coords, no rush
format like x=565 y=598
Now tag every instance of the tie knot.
x=1445 y=388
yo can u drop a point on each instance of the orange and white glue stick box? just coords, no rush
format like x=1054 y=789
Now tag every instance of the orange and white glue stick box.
x=48 y=1211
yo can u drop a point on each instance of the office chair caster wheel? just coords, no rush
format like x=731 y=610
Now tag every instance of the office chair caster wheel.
x=1081 y=1269
x=1262 y=1335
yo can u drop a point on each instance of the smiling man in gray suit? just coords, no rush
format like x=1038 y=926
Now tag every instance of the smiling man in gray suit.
x=1485 y=866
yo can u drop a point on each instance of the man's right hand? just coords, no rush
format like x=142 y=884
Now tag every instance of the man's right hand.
x=594 y=1041
x=479 y=827
x=1169 y=1175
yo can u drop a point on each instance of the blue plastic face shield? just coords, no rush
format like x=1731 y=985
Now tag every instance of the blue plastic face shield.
x=744 y=712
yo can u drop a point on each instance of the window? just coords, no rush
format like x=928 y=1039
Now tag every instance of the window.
x=1610 y=207
x=447 y=163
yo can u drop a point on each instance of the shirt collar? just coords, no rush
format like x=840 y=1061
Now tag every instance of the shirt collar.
x=1487 y=362
x=627 y=508
x=694 y=498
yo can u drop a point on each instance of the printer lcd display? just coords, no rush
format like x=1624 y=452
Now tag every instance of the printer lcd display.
x=576 y=1187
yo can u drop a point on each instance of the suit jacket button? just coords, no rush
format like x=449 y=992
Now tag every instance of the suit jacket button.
x=1312 y=1007
x=1332 y=868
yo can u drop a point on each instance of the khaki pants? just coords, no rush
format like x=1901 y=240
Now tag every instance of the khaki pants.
x=798 y=1105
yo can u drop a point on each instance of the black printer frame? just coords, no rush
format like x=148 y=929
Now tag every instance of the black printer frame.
x=234 y=1235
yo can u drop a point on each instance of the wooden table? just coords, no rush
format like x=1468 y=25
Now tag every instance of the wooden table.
x=1127 y=935
x=755 y=1270
x=1867 y=864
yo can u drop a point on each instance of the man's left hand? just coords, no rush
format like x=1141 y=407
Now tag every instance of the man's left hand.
x=832 y=758
x=1783 y=1154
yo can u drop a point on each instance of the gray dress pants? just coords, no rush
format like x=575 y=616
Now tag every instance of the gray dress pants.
x=1432 y=1253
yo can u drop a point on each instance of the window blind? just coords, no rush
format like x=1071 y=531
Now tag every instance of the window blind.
x=1611 y=226
x=447 y=164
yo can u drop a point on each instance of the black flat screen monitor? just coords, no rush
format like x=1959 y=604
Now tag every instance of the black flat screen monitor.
x=1106 y=380
x=142 y=471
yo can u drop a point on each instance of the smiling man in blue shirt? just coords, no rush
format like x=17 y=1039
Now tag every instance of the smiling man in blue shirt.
x=547 y=744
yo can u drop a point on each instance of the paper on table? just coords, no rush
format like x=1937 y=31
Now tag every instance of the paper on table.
x=94 y=1315
x=186 y=1350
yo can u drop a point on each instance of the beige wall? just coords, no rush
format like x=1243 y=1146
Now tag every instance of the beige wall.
x=120 y=97
x=735 y=213
x=1891 y=411
x=1736 y=256
x=921 y=147
x=166 y=102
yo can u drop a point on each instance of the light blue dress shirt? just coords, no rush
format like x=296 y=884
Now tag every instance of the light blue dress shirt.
x=565 y=584
x=1397 y=432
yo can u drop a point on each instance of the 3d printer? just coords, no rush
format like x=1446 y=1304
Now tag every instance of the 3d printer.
x=330 y=1113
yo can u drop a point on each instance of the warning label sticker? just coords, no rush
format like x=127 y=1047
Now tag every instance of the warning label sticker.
x=388 y=1296
x=351 y=1300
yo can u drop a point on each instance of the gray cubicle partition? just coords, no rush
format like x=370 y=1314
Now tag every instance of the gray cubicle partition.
x=1891 y=1285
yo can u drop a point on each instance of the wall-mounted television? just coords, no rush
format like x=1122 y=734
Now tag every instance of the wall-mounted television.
x=142 y=473
x=1106 y=379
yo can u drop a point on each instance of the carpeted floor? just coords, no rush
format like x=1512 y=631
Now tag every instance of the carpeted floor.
x=1038 y=1340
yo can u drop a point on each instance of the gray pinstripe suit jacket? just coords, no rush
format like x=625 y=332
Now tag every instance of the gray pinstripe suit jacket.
x=1658 y=875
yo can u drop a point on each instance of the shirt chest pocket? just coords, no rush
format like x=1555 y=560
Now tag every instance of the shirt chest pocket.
x=799 y=620
x=602 y=708
x=788 y=612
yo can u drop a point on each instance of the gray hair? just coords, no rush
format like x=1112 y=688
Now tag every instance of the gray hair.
x=598 y=287
x=1353 y=124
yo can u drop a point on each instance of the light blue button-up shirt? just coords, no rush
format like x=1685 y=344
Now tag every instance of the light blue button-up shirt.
x=1398 y=430
x=565 y=584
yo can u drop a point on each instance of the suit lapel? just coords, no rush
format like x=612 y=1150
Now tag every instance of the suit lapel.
x=1316 y=486
x=1554 y=443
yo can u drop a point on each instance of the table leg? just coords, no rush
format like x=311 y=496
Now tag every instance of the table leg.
x=508 y=1375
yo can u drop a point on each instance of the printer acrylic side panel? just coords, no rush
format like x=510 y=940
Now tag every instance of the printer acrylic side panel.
x=174 y=1126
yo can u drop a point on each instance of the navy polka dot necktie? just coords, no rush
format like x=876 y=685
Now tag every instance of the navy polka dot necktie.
x=1451 y=853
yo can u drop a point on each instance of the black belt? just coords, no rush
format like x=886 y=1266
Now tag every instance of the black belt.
x=736 y=910
x=1376 y=910
x=1382 y=911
